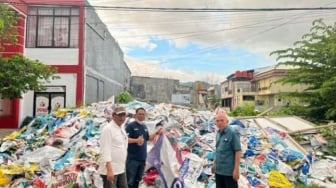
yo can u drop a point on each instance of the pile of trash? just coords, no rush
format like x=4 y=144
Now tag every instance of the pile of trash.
x=62 y=150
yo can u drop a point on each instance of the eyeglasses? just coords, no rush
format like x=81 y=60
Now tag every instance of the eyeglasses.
x=219 y=120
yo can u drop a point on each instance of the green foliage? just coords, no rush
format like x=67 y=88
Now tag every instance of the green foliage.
x=295 y=110
x=123 y=98
x=328 y=133
x=245 y=110
x=298 y=137
x=20 y=74
x=8 y=19
x=314 y=64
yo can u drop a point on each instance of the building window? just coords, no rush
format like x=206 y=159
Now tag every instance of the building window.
x=52 y=27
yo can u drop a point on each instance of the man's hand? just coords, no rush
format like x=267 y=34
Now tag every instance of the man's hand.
x=235 y=174
x=110 y=175
x=140 y=140
x=160 y=130
x=213 y=169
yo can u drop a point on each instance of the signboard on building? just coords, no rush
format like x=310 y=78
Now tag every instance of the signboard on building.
x=181 y=99
x=42 y=104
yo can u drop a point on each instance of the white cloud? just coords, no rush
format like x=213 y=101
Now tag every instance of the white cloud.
x=256 y=32
x=156 y=69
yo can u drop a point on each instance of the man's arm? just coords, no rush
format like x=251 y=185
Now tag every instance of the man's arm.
x=138 y=140
x=105 y=140
x=237 y=150
x=213 y=168
x=131 y=139
x=110 y=174
x=157 y=132
x=236 y=165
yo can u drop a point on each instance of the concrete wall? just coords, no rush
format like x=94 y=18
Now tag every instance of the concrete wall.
x=106 y=73
x=153 y=90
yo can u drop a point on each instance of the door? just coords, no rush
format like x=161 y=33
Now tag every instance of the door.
x=49 y=100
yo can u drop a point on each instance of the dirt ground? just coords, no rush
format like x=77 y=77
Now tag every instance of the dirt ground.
x=4 y=132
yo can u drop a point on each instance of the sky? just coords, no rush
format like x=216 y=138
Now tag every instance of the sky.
x=206 y=45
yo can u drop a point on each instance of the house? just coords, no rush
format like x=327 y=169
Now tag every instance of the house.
x=68 y=35
x=237 y=90
x=269 y=92
x=258 y=87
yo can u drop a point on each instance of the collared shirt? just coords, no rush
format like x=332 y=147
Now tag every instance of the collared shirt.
x=136 y=152
x=227 y=143
x=113 y=148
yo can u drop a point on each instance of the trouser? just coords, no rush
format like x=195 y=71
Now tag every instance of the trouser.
x=225 y=181
x=134 y=172
x=119 y=181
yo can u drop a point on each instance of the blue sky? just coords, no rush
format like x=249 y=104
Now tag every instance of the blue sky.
x=207 y=46
x=217 y=59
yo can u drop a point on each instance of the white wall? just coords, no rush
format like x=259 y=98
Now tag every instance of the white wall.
x=181 y=98
x=54 y=56
x=67 y=80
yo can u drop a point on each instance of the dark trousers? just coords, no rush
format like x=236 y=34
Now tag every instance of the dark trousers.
x=119 y=181
x=225 y=182
x=134 y=172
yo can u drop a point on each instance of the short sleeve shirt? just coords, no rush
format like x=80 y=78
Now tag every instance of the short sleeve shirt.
x=227 y=143
x=136 y=152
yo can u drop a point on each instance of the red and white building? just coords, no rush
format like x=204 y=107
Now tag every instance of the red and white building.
x=55 y=33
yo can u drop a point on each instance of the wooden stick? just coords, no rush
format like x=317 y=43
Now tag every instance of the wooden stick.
x=297 y=145
x=265 y=134
x=311 y=128
x=264 y=112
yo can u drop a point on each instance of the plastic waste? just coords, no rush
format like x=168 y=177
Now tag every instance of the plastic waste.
x=236 y=122
x=61 y=162
x=276 y=179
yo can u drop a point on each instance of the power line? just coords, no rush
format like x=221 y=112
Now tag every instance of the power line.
x=157 y=9
x=172 y=9
x=203 y=33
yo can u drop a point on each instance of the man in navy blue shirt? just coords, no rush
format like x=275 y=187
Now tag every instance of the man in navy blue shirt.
x=138 y=135
x=228 y=152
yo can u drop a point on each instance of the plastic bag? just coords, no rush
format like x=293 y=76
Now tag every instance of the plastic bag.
x=276 y=179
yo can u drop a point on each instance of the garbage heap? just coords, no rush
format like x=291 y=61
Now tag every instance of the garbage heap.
x=62 y=150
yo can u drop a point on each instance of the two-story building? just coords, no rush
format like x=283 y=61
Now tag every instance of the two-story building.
x=66 y=35
x=269 y=93
x=258 y=87
x=237 y=89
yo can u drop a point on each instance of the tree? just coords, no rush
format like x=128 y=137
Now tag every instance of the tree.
x=18 y=74
x=245 y=110
x=123 y=98
x=313 y=59
x=8 y=19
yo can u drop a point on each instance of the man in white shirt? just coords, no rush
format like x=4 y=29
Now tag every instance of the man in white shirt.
x=113 y=151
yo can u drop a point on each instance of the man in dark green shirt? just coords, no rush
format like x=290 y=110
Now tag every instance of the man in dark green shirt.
x=228 y=152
